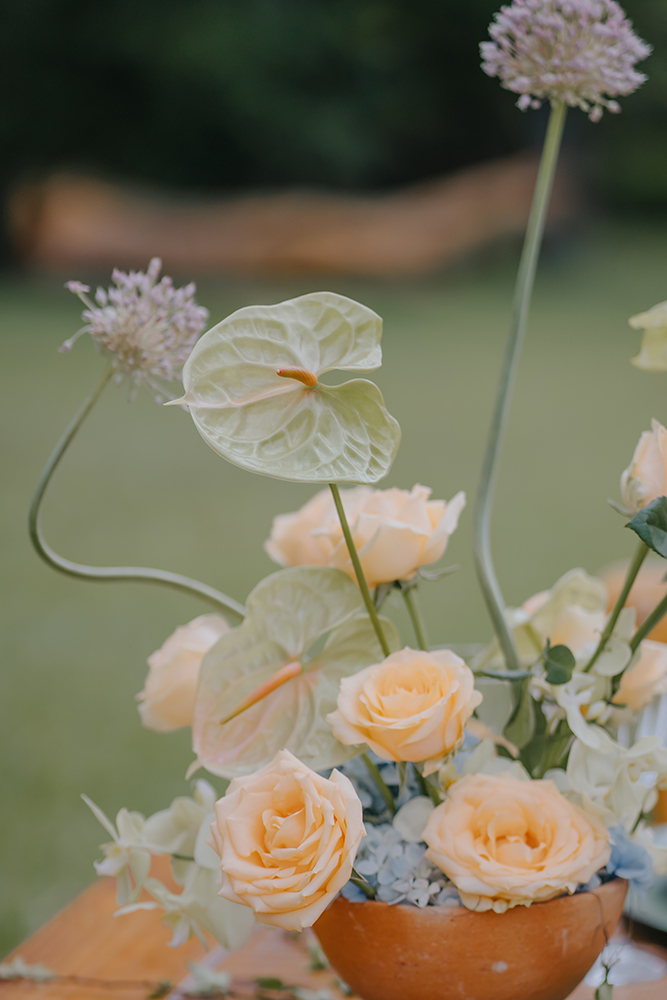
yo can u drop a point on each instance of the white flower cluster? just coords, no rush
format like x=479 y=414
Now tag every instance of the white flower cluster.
x=400 y=872
x=181 y=831
x=147 y=328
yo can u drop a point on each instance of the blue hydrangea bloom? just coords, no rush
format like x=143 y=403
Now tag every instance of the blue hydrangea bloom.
x=630 y=860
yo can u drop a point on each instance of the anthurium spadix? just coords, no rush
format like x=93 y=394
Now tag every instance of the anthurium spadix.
x=238 y=727
x=252 y=384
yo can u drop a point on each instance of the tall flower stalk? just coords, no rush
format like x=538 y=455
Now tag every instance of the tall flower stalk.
x=520 y=308
x=573 y=53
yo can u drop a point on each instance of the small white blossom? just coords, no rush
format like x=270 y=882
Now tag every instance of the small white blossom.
x=147 y=328
x=18 y=969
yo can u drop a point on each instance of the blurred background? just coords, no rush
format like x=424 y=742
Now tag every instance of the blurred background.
x=266 y=148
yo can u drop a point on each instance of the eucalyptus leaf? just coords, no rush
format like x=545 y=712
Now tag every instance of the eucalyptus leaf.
x=521 y=726
x=559 y=662
x=291 y=426
x=287 y=614
x=651 y=525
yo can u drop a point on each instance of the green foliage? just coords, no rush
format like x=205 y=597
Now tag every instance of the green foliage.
x=651 y=525
x=521 y=726
x=559 y=662
x=545 y=750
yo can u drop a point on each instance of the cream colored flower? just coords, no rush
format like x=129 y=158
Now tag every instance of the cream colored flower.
x=167 y=701
x=412 y=706
x=652 y=355
x=616 y=782
x=504 y=842
x=287 y=840
x=645 y=479
x=571 y=613
x=646 y=679
x=395 y=532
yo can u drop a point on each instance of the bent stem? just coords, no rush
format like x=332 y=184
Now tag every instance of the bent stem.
x=520 y=307
x=359 y=573
x=227 y=605
x=415 y=617
x=383 y=789
x=639 y=557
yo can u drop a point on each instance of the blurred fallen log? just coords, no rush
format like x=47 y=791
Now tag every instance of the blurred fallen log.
x=71 y=222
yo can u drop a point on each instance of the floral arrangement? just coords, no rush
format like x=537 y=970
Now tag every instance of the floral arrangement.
x=355 y=763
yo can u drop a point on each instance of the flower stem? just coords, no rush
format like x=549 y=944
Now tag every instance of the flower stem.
x=361 y=579
x=229 y=607
x=633 y=570
x=363 y=884
x=415 y=617
x=374 y=772
x=656 y=615
x=426 y=788
x=520 y=308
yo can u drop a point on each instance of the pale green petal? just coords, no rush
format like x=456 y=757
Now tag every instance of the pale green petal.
x=278 y=426
x=657 y=316
x=287 y=614
x=652 y=355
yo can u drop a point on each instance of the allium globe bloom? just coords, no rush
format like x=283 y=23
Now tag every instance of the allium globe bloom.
x=580 y=52
x=147 y=328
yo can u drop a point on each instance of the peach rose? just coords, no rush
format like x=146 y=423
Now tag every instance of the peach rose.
x=506 y=842
x=167 y=701
x=645 y=479
x=648 y=678
x=287 y=840
x=395 y=532
x=412 y=706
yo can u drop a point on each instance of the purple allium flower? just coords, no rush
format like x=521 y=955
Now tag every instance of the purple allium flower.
x=581 y=52
x=146 y=328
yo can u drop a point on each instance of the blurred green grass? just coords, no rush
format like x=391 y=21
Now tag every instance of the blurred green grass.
x=140 y=486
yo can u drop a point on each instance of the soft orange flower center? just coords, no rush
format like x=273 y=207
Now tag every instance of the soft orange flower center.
x=300 y=374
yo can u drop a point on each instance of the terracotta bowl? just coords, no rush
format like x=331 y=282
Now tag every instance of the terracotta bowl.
x=539 y=952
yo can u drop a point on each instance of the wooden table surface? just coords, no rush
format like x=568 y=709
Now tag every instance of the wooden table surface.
x=86 y=940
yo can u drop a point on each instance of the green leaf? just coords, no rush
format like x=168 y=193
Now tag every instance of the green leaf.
x=546 y=750
x=559 y=662
x=287 y=614
x=651 y=525
x=278 y=426
x=270 y=983
x=521 y=726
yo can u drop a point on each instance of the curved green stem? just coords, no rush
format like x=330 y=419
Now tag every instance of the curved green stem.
x=359 y=573
x=227 y=605
x=520 y=307
x=383 y=788
x=639 y=557
x=415 y=617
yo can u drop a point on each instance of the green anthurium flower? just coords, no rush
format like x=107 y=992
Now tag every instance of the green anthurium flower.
x=264 y=678
x=252 y=386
